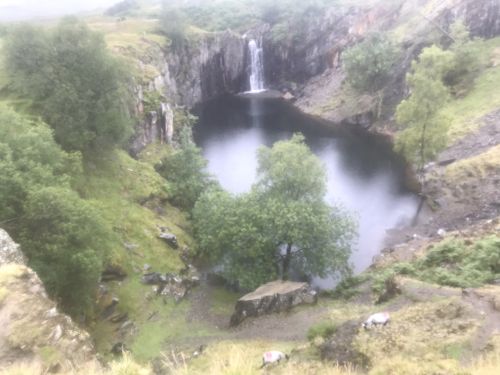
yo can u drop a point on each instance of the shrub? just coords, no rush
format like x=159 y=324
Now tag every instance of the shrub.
x=368 y=64
x=322 y=329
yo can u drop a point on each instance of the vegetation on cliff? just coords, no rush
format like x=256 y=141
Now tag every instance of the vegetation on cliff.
x=74 y=83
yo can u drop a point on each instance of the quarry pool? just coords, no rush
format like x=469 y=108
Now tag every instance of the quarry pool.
x=364 y=174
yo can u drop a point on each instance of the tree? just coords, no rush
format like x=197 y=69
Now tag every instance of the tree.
x=173 y=23
x=62 y=235
x=73 y=82
x=368 y=64
x=64 y=238
x=283 y=224
x=185 y=171
x=29 y=160
x=425 y=129
x=466 y=63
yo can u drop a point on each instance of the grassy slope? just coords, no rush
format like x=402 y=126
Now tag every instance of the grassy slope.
x=483 y=98
x=119 y=184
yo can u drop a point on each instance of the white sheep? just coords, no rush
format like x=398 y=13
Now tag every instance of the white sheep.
x=381 y=318
x=273 y=356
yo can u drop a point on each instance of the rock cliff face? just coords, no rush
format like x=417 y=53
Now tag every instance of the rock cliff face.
x=185 y=75
x=313 y=63
x=304 y=59
x=203 y=69
x=32 y=330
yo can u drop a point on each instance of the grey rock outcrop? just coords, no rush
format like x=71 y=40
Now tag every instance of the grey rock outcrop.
x=275 y=296
x=31 y=323
x=9 y=250
x=212 y=66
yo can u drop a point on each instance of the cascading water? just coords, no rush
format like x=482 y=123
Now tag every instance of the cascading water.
x=256 y=67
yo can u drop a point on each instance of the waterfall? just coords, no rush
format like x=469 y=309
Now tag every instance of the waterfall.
x=257 y=67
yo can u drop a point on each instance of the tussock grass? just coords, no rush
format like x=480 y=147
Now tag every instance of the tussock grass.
x=232 y=358
x=124 y=366
x=478 y=166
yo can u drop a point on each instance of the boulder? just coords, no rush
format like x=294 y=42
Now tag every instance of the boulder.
x=170 y=239
x=276 y=296
x=154 y=278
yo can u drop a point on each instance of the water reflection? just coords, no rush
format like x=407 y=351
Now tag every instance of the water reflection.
x=364 y=175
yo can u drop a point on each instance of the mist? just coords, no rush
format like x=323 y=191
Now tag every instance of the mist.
x=20 y=10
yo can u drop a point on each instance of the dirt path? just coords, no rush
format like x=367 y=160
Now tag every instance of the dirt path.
x=286 y=326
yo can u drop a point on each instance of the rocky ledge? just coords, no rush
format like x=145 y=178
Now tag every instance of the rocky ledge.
x=32 y=330
x=276 y=296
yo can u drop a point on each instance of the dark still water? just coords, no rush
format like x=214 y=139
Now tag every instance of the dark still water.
x=364 y=175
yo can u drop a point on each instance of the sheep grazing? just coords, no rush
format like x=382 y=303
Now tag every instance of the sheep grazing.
x=376 y=319
x=273 y=356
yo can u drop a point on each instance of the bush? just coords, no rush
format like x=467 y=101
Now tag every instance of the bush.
x=454 y=263
x=185 y=172
x=321 y=329
x=62 y=234
x=368 y=64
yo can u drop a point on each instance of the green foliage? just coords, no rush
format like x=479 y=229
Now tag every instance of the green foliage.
x=61 y=234
x=466 y=63
x=185 y=170
x=368 y=64
x=425 y=129
x=29 y=160
x=347 y=288
x=65 y=240
x=151 y=101
x=73 y=82
x=322 y=329
x=453 y=262
x=174 y=24
x=282 y=224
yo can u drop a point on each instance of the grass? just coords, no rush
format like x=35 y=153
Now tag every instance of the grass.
x=223 y=301
x=168 y=326
x=322 y=329
x=484 y=96
x=477 y=167
x=451 y=262
x=421 y=333
x=133 y=39
x=132 y=196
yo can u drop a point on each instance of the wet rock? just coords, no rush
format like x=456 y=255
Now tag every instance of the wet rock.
x=170 y=239
x=172 y=285
x=276 y=296
x=113 y=273
x=153 y=278
x=109 y=307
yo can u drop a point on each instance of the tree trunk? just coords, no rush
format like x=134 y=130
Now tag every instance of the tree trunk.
x=286 y=261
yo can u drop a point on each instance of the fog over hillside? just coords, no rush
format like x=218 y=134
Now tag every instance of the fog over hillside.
x=17 y=10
